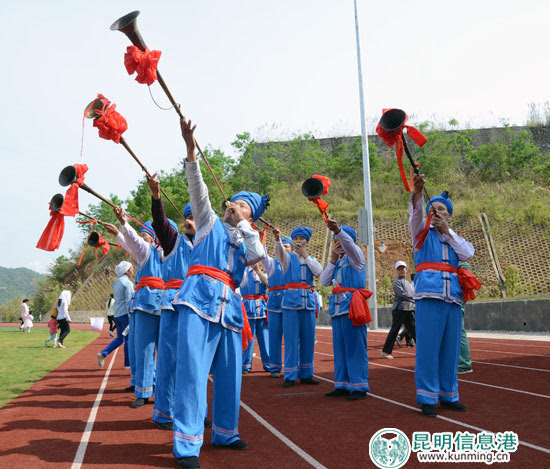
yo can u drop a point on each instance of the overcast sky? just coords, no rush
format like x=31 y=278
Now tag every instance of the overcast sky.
x=274 y=68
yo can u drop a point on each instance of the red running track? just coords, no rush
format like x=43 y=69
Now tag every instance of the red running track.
x=285 y=428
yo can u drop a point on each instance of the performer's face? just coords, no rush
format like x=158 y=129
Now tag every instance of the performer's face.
x=147 y=237
x=237 y=211
x=189 y=225
x=441 y=210
x=288 y=247
x=401 y=271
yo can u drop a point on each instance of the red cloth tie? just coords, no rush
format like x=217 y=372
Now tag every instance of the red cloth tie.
x=468 y=281
x=143 y=62
x=321 y=204
x=53 y=233
x=421 y=237
x=110 y=123
x=151 y=282
x=70 y=204
x=359 y=312
x=173 y=284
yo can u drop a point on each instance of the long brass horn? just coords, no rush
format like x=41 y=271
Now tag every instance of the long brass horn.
x=90 y=113
x=56 y=203
x=68 y=175
x=128 y=25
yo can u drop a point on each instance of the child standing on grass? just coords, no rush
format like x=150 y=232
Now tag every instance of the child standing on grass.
x=52 y=324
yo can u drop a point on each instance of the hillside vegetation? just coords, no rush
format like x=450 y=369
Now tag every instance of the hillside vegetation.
x=508 y=180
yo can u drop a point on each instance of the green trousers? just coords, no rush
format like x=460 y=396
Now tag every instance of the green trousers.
x=464 y=360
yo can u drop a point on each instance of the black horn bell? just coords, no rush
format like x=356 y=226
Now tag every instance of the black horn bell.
x=67 y=176
x=393 y=119
x=93 y=239
x=57 y=202
x=313 y=188
x=128 y=25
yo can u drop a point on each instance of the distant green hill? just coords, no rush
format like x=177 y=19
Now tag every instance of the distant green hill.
x=19 y=282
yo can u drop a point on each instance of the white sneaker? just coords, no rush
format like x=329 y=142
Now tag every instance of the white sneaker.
x=387 y=355
x=100 y=360
x=111 y=334
x=60 y=345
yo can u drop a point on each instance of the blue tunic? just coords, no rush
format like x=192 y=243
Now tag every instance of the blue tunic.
x=174 y=266
x=275 y=297
x=298 y=298
x=256 y=309
x=148 y=299
x=345 y=275
x=210 y=298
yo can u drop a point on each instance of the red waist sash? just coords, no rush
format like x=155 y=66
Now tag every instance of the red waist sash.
x=173 y=284
x=467 y=279
x=151 y=282
x=279 y=287
x=255 y=297
x=218 y=274
x=359 y=312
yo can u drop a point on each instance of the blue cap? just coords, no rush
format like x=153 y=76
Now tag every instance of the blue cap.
x=285 y=240
x=303 y=231
x=444 y=199
x=187 y=210
x=148 y=228
x=257 y=203
x=350 y=231
x=173 y=224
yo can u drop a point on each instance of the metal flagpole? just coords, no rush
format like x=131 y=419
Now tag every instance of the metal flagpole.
x=365 y=216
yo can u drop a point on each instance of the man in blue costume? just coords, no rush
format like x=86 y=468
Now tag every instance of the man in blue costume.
x=438 y=297
x=346 y=273
x=177 y=250
x=210 y=314
x=254 y=292
x=276 y=285
x=146 y=303
x=299 y=305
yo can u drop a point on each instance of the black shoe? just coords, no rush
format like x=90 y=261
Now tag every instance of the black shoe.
x=207 y=423
x=275 y=374
x=410 y=344
x=139 y=402
x=238 y=445
x=462 y=371
x=130 y=389
x=288 y=384
x=337 y=393
x=308 y=381
x=429 y=410
x=356 y=395
x=188 y=462
x=164 y=425
x=453 y=406
x=245 y=372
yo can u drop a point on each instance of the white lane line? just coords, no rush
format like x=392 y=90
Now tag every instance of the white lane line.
x=81 y=451
x=447 y=419
x=526 y=355
x=293 y=446
x=460 y=380
x=507 y=343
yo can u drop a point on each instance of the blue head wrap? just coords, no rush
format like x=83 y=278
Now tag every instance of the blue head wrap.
x=148 y=228
x=350 y=231
x=285 y=240
x=444 y=199
x=173 y=224
x=187 y=210
x=303 y=231
x=257 y=203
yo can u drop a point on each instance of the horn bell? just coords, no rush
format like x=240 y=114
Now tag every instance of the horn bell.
x=313 y=188
x=67 y=176
x=57 y=202
x=393 y=119
x=128 y=25
x=93 y=239
x=92 y=107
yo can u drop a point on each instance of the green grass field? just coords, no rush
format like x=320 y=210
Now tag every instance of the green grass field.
x=25 y=358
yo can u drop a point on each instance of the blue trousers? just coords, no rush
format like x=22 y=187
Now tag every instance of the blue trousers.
x=163 y=410
x=131 y=348
x=260 y=330
x=351 y=361
x=145 y=342
x=299 y=334
x=121 y=322
x=437 y=346
x=204 y=347
x=275 y=327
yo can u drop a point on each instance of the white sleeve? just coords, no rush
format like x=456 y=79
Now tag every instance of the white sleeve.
x=354 y=252
x=416 y=218
x=245 y=279
x=255 y=251
x=464 y=250
x=326 y=276
x=138 y=247
x=121 y=240
x=282 y=256
x=315 y=267
x=269 y=264
x=198 y=193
